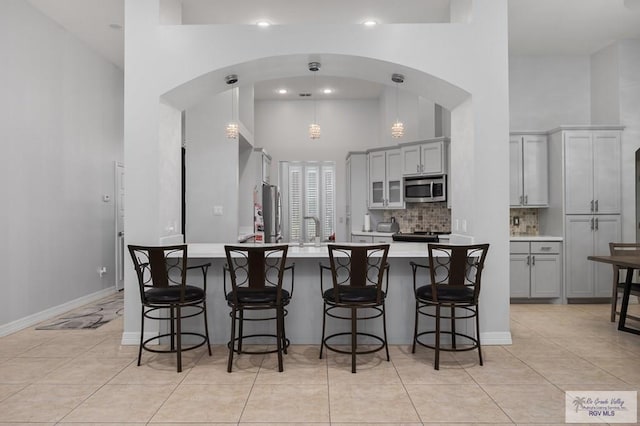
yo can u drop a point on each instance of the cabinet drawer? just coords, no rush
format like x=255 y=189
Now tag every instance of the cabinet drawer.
x=361 y=239
x=517 y=247
x=382 y=240
x=544 y=247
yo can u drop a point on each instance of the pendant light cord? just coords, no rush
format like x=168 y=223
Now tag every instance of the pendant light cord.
x=315 y=89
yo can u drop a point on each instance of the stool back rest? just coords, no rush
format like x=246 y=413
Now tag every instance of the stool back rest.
x=256 y=268
x=622 y=249
x=159 y=267
x=457 y=265
x=358 y=266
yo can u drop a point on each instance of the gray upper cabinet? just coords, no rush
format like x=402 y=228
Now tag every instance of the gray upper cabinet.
x=266 y=168
x=356 y=207
x=424 y=158
x=592 y=172
x=529 y=171
x=385 y=179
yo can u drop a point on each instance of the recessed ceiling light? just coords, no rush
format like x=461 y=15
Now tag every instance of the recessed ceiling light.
x=327 y=91
x=370 y=23
x=282 y=91
x=263 y=24
x=115 y=26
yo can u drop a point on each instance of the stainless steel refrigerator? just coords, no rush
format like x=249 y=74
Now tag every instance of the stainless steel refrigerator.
x=271 y=213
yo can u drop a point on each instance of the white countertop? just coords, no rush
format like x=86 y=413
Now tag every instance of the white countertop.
x=216 y=251
x=372 y=234
x=535 y=238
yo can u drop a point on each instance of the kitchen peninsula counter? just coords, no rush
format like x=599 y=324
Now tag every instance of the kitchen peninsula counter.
x=216 y=251
x=304 y=319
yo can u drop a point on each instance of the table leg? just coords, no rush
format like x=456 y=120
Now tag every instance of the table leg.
x=625 y=303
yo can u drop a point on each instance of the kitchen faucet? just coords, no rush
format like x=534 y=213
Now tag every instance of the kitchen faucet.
x=317 y=222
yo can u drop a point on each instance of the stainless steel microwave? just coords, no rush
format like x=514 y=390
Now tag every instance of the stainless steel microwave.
x=426 y=189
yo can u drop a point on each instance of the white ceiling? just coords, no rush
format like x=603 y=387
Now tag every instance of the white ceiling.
x=536 y=27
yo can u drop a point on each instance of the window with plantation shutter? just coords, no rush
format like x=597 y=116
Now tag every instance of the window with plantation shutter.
x=308 y=189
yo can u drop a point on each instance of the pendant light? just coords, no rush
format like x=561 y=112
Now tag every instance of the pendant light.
x=314 y=128
x=232 y=128
x=397 y=129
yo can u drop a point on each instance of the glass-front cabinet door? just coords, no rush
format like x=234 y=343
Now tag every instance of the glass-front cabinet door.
x=377 y=181
x=385 y=179
x=394 y=179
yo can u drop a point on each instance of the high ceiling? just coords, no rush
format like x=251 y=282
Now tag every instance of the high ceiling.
x=536 y=27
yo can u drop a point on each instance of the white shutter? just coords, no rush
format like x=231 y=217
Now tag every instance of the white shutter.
x=310 y=191
x=295 y=202
x=329 y=201
x=312 y=199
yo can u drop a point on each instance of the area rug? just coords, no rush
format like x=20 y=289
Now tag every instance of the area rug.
x=90 y=316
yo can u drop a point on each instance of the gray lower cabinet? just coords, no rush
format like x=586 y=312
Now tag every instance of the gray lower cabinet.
x=371 y=239
x=535 y=269
x=589 y=235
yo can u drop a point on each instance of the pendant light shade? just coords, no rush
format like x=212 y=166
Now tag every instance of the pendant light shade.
x=314 y=128
x=232 y=128
x=397 y=129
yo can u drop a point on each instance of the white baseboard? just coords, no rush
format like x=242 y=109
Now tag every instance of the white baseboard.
x=495 y=338
x=52 y=312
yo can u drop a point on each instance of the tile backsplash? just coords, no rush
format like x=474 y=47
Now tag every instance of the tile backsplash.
x=528 y=222
x=422 y=217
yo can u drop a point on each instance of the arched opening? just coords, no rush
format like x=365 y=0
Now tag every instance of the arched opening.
x=365 y=128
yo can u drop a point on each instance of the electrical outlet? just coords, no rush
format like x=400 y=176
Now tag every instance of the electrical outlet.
x=217 y=210
x=101 y=271
x=516 y=221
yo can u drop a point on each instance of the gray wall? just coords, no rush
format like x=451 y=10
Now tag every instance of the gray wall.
x=212 y=172
x=548 y=91
x=61 y=115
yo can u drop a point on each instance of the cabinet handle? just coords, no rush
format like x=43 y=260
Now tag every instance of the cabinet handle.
x=591 y=205
x=592 y=224
x=528 y=260
x=533 y=260
x=422 y=167
x=418 y=168
x=545 y=248
x=596 y=223
x=521 y=199
x=526 y=199
x=596 y=205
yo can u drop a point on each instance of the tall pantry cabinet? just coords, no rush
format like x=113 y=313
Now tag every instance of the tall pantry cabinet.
x=591 y=203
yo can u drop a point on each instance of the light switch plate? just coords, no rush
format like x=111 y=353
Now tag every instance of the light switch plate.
x=217 y=210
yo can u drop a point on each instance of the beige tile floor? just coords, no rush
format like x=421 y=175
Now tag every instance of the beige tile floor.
x=86 y=378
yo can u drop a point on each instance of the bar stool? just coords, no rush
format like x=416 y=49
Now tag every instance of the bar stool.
x=455 y=273
x=357 y=274
x=162 y=280
x=256 y=274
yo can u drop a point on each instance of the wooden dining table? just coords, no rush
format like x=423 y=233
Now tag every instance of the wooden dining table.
x=631 y=263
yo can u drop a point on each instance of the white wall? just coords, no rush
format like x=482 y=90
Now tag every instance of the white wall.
x=61 y=115
x=346 y=125
x=549 y=91
x=212 y=172
x=629 y=83
x=170 y=141
x=455 y=62
x=605 y=93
